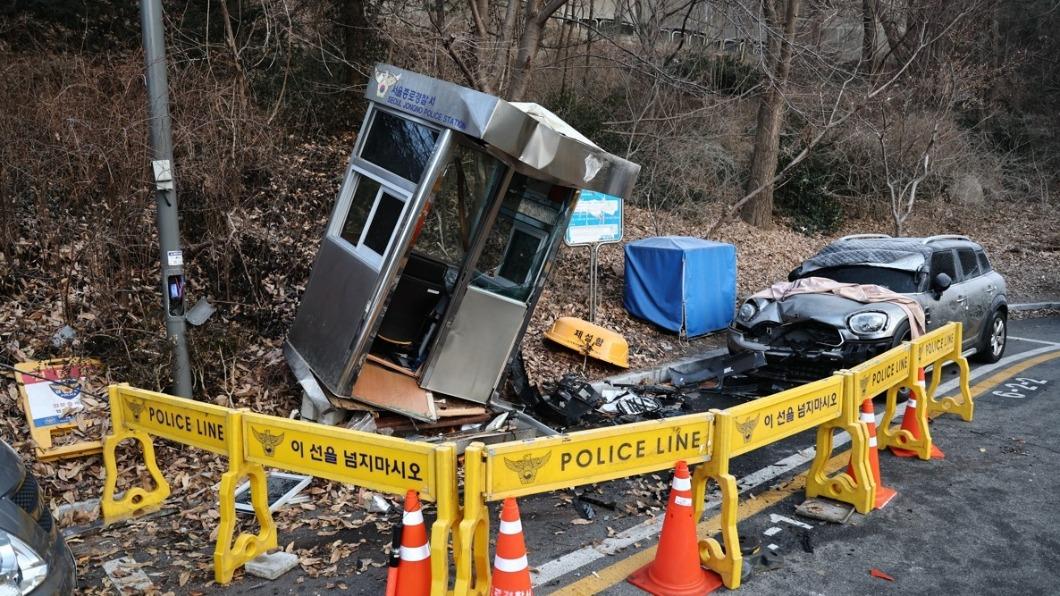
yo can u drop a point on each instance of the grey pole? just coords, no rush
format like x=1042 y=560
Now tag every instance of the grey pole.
x=172 y=257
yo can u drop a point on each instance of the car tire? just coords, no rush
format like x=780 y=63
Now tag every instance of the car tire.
x=992 y=344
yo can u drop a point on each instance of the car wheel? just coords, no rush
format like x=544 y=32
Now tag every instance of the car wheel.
x=995 y=337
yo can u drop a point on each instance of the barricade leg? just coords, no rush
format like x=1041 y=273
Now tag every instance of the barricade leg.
x=448 y=514
x=892 y=436
x=858 y=490
x=723 y=557
x=962 y=406
x=471 y=544
x=725 y=560
x=228 y=555
x=136 y=500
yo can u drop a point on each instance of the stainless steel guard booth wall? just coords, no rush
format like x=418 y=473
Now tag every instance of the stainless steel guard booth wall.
x=452 y=208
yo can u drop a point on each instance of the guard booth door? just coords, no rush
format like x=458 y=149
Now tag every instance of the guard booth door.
x=392 y=169
x=505 y=281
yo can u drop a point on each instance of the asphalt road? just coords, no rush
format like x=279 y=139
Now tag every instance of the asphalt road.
x=981 y=520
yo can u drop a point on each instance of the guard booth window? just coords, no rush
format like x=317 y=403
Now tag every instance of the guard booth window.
x=526 y=226
x=398 y=145
x=455 y=213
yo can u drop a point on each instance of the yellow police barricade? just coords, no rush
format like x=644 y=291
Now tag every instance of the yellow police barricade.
x=380 y=463
x=744 y=428
x=140 y=415
x=564 y=461
x=932 y=349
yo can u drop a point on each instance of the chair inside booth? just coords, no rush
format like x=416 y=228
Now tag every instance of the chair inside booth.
x=445 y=232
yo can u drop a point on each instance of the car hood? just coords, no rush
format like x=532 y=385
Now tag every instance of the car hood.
x=829 y=309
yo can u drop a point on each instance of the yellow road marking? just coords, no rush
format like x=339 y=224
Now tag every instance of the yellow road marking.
x=620 y=570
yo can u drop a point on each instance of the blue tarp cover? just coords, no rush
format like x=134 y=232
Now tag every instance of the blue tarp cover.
x=682 y=284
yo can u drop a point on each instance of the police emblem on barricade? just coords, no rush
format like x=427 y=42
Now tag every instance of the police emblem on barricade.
x=136 y=407
x=747 y=427
x=268 y=440
x=528 y=466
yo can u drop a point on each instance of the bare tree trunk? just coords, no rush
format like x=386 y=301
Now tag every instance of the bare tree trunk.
x=759 y=210
x=529 y=43
x=355 y=33
x=868 y=36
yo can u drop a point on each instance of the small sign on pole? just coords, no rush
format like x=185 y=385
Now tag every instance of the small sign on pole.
x=597 y=220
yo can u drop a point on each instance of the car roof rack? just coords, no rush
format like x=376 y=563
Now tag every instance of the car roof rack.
x=858 y=236
x=945 y=237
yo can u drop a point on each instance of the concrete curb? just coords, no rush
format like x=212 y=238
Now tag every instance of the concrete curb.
x=1034 y=306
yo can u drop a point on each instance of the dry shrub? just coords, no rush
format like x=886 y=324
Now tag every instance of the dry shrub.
x=76 y=213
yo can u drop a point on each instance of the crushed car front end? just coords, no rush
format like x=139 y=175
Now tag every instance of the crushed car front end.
x=813 y=334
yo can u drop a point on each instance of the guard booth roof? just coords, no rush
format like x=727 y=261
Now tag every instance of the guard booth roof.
x=549 y=148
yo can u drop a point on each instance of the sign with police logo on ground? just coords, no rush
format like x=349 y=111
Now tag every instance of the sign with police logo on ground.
x=562 y=461
x=781 y=415
x=377 y=462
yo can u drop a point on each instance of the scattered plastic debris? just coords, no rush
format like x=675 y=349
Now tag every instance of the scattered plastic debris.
x=880 y=575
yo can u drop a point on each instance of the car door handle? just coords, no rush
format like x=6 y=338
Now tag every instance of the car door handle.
x=960 y=299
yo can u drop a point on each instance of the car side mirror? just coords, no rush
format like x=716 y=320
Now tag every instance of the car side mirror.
x=941 y=283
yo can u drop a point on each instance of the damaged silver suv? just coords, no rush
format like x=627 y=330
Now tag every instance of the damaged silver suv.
x=813 y=334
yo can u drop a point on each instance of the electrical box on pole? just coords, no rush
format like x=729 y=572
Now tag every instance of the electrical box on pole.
x=172 y=257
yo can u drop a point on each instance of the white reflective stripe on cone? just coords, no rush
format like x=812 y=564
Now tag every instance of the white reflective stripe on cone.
x=412 y=518
x=511 y=527
x=872 y=442
x=682 y=483
x=416 y=553
x=867 y=417
x=683 y=501
x=510 y=565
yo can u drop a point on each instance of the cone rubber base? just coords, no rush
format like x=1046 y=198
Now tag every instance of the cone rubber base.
x=707 y=583
x=884 y=495
x=936 y=453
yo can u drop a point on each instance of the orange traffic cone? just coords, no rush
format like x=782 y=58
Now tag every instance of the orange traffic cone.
x=884 y=494
x=511 y=572
x=911 y=424
x=676 y=570
x=414 y=570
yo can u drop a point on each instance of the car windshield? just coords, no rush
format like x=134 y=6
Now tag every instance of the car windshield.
x=896 y=280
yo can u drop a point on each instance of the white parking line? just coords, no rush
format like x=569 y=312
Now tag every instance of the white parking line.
x=1035 y=341
x=575 y=560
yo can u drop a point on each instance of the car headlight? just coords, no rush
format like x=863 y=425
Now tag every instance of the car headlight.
x=747 y=311
x=21 y=568
x=864 y=323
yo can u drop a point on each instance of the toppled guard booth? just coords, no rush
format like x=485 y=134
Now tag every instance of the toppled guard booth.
x=452 y=208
